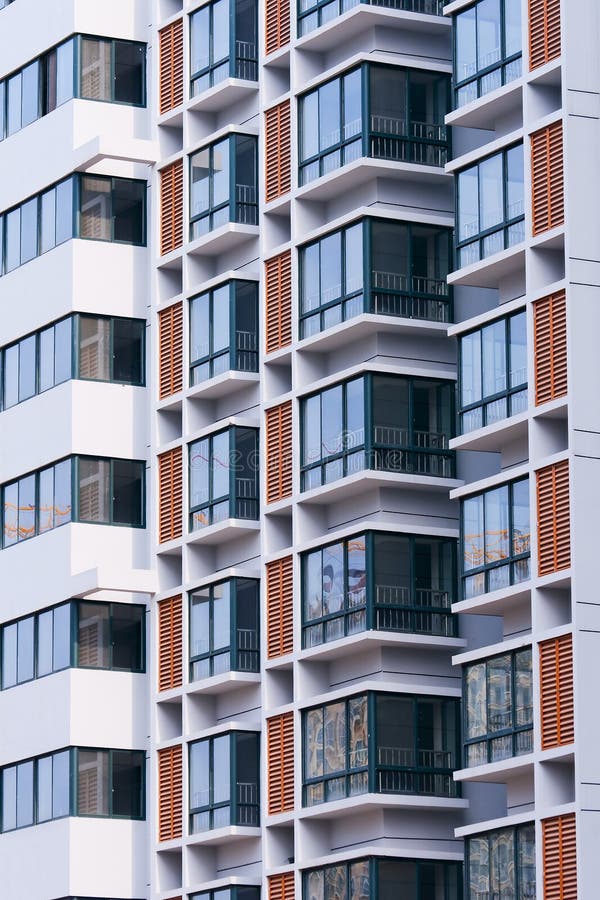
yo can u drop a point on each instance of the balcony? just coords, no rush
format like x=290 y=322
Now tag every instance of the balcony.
x=224 y=331
x=313 y=16
x=224 y=790
x=224 y=634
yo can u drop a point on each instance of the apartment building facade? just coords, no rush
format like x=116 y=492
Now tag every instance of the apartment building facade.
x=296 y=600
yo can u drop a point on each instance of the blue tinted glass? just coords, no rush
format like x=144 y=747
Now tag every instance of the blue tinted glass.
x=64 y=72
x=24 y=794
x=31 y=91
x=13 y=240
x=9 y=655
x=60 y=784
x=9 y=798
x=64 y=210
x=14 y=103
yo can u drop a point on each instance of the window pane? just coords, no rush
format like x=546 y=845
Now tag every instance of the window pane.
x=44 y=643
x=29 y=229
x=64 y=72
x=64 y=210
x=27 y=368
x=465 y=63
x=308 y=125
x=12 y=253
x=335 y=737
x=95 y=69
x=46 y=500
x=24 y=794
x=331 y=422
x=94 y=348
x=25 y=650
x=14 y=103
x=46 y=361
x=62 y=351
x=27 y=507
x=496 y=525
x=128 y=208
x=129 y=72
x=313 y=586
x=352 y=104
x=62 y=493
x=494 y=358
x=93 y=635
x=518 y=350
x=199 y=327
x=499 y=671
x=128 y=492
x=61 y=656
x=309 y=261
x=521 y=525
x=9 y=655
x=220 y=31
x=313 y=759
x=2 y=107
x=94 y=490
x=128 y=357
x=221 y=769
x=329 y=114
x=10 y=513
x=221 y=616
x=199 y=37
x=200 y=182
x=92 y=783
x=512 y=19
x=199 y=472
x=127 y=782
x=488 y=33
x=470 y=371
x=468 y=204
x=31 y=92
x=220 y=322
x=95 y=211
x=502 y=855
x=44 y=789
x=354 y=259
x=219 y=464
x=128 y=625
x=11 y=376
x=473 y=556
x=515 y=182
x=331 y=267
x=9 y=798
x=357 y=727
x=199 y=775
x=200 y=622
x=476 y=701
x=220 y=173
x=491 y=210
x=523 y=689
x=60 y=784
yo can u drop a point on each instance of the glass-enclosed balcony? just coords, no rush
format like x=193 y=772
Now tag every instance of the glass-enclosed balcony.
x=223 y=43
x=501 y=864
x=224 y=184
x=224 y=477
x=378 y=581
x=498 y=708
x=388 y=423
x=379 y=111
x=487 y=48
x=384 y=878
x=377 y=266
x=380 y=743
x=223 y=779
x=224 y=331
x=224 y=628
x=314 y=13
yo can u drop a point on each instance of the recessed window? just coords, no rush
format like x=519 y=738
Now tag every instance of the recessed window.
x=493 y=372
x=224 y=184
x=501 y=863
x=224 y=43
x=490 y=213
x=224 y=331
x=224 y=628
x=382 y=879
x=223 y=477
x=496 y=533
x=112 y=70
x=487 y=49
x=224 y=781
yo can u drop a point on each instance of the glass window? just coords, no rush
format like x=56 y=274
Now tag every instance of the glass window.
x=95 y=77
x=487 y=48
x=223 y=43
x=501 y=863
x=64 y=72
x=224 y=781
x=224 y=331
x=36 y=790
x=218 y=490
x=111 y=491
x=30 y=93
x=14 y=94
x=224 y=184
x=129 y=72
x=224 y=628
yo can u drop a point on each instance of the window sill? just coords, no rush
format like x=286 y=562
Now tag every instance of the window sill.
x=510 y=768
x=494 y=437
x=364 y=803
x=366 y=640
x=491 y=271
x=486 y=111
x=496 y=603
x=368 y=479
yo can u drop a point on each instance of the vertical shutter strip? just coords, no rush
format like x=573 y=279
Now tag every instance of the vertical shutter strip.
x=550 y=347
x=547 y=174
x=280 y=607
x=559 y=853
x=281 y=887
x=544 y=32
x=553 y=508
x=170 y=495
x=170 y=350
x=277 y=24
x=170 y=643
x=170 y=49
x=279 y=452
x=556 y=692
x=170 y=793
x=171 y=207
x=280 y=761
x=278 y=149
x=278 y=278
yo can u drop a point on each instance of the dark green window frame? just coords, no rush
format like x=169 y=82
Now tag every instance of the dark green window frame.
x=312 y=15
x=69 y=803
x=242 y=807
x=482 y=242
x=367 y=767
x=241 y=352
x=242 y=498
x=497 y=72
x=241 y=60
x=242 y=653
x=114 y=45
x=492 y=407
x=135 y=466
x=496 y=725
x=486 y=567
x=501 y=863
x=409 y=295
x=365 y=605
x=52 y=641
x=374 y=136
x=241 y=203
x=362 y=446
x=364 y=879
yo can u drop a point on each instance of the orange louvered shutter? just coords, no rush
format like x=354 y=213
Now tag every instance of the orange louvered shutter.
x=559 y=851
x=170 y=793
x=550 y=347
x=556 y=692
x=281 y=887
x=278 y=284
x=170 y=495
x=280 y=762
x=279 y=451
x=544 y=31
x=547 y=177
x=554 y=530
x=170 y=644
x=277 y=24
x=278 y=151
x=170 y=44
x=171 y=207
x=280 y=607
x=170 y=350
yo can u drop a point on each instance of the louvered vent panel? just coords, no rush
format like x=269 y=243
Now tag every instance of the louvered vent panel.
x=281 y=887
x=170 y=644
x=170 y=350
x=278 y=283
x=554 y=531
x=556 y=692
x=547 y=175
x=280 y=761
x=278 y=149
x=279 y=452
x=170 y=495
x=544 y=32
x=277 y=24
x=171 y=207
x=559 y=851
x=280 y=607
x=170 y=793
x=170 y=44
x=550 y=347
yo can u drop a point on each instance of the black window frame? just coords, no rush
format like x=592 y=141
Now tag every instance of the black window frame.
x=241 y=354
x=235 y=651
x=237 y=508
x=234 y=804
